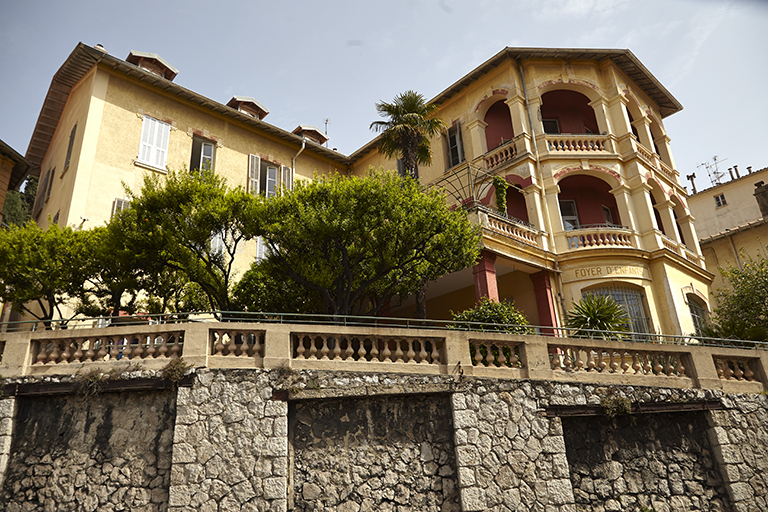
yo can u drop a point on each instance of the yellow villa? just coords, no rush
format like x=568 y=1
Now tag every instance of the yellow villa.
x=594 y=204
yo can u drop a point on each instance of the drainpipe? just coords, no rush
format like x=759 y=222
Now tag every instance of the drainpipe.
x=293 y=161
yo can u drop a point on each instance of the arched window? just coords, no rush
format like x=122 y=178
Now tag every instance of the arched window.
x=567 y=112
x=632 y=299
x=498 y=128
x=698 y=313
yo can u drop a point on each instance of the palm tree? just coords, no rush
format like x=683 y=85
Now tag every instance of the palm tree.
x=407 y=130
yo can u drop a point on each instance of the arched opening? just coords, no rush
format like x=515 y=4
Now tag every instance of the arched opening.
x=698 y=310
x=516 y=207
x=567 y=112
x=634 y=128
x=679 y=212
x=631 y=298
x=654 y=193
x=586 y=201
x=499 y=125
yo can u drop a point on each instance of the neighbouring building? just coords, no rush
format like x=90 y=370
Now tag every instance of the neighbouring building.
x=13 y=170
x=732 y=221
x=594 y=205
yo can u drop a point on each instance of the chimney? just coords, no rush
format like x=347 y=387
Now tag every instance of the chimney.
x=736 y=170
x=761 y=194
x=730 y=171
x=749 y=169
x=101 y=48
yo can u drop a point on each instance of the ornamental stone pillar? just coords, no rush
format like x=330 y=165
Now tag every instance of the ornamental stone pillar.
x=476 y=129
x=545 y=301
x=668 y=219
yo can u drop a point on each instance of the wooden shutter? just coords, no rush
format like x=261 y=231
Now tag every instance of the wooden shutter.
x=161 y=143
x=254 y=164
x=287 y=178
x=147 y=135
x=459 y=142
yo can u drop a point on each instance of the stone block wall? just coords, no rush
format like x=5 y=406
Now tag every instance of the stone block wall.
x=98 y=452
x=278 y=440
x=380 y=453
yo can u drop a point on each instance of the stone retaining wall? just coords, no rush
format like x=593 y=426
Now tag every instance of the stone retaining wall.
x=278 y=440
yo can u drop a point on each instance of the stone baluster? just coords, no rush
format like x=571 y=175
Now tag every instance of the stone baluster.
x=647 y=367
x=669 y=369
x=138 y=352
x=591 y=356
x=423 y=355
x=151 y=348
x=578 y=363
x=102 y=352
x=748 y=373
x=613 y=365
x=257 y=344
x=43 y=352
x=162 y=352
x=127 y=350
x=719 y=367
x=244 y=345
x=299 y=346
x=324 y=349
x=435 y=355
x=727 y=369
x=489 y=358
x=350 y=352
x=77 y=356
x=399 y=351
x=218 y=347
x=636 y=362
x=657 y=368
x=737 y=372
x=567 y=361
x=66 y=354
x=232 y=347
x=337 y=349
x=313 y=347
x=679 y=368
x=513 y=359
x=89 y=353
x=386 y=354
x=54 y=356
x=602 y=363
x=375 y=349
x=625 y=359
x=176 y=348
x=115 y=351
x=361 y=352
x=411 y=354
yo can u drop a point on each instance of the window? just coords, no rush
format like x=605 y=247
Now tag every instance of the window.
x=698 y=313
x=607 y=215
x=153 y=149
x=551 y=126
x=266 y=178
x=632 y=300
x=217 y=243
x=71 y=145
x=570 y=214
x=119 y=205
x=720 y=200
x=455 y=145
x=202 y=154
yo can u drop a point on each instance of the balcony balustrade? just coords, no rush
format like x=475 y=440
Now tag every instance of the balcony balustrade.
x=666 y=361
x=510 y=227
x=598 y=236
x=577 y=143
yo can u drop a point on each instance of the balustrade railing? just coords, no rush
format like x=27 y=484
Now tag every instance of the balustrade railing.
x=86 y=349
x=599 y=237
x=512 y=229
x=577 y=143
x=366 y=344
x=500 y=155
x=638 y=361
x=385 y=349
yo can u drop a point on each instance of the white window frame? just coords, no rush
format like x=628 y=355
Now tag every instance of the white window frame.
x=153 y=149
x=119 y=205
x=286 y=178
x=569 y=220
x=720 y=200
x=206 y=159
x=217 y=242
x=282 y=177
x=607 y=215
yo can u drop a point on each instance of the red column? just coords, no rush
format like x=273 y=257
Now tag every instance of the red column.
x=485 y=277
x=545 y=302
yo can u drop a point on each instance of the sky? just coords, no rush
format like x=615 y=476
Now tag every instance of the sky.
x=309 y=61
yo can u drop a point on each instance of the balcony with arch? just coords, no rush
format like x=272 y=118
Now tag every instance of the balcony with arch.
x=570 y=125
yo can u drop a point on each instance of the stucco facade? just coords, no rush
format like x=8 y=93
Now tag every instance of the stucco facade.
x=594 y=204
x=731 y=224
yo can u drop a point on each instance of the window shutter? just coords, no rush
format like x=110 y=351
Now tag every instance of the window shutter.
x=50 y=184
x=153 y=149
x=119 y=205
x=287 y=178
x=206 y=156
x=459 y=141
x=254 y=163
x=260 y=252
x=272 y=181
x=147 y=134
x=71 y=144
x=161 y=147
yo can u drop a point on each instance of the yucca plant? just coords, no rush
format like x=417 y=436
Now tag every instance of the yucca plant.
x=598 y=316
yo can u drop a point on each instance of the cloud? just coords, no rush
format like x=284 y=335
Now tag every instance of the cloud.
x=702 y=26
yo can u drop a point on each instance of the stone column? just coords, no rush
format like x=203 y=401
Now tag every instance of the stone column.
x=601 y=115
x=485 y=277
x=617 y=106
x=476 y=129
x=665 y=151
x=7 y=412
x=545 y=301
x=668 y=219
x=643 y=126
x=519 y=116
x=689 y=233
x=535 y=209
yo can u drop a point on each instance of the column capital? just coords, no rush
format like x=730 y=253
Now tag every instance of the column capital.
x=475 y=123
x=621 y=188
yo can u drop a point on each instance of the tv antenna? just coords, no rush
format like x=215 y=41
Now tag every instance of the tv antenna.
x=326 y=121
x=713 y=170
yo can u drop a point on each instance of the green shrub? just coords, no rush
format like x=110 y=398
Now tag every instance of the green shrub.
x=489 y=315
x=598 y=316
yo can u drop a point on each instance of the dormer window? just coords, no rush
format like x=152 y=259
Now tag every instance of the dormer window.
x=312 y=133
x=153 y=63
x=248 y=106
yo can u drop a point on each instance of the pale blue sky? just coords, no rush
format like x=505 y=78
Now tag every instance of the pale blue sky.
x=307 y=61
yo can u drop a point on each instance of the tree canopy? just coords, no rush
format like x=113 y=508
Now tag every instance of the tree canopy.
x=407 y=130
x=195 y=224
x=354 y=243
x=742 y=311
